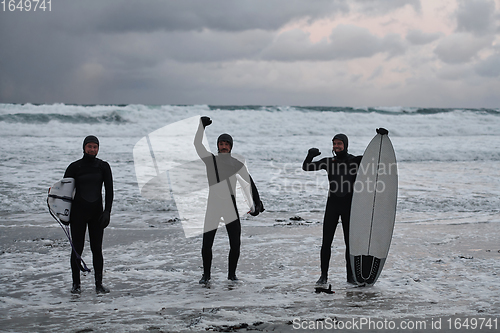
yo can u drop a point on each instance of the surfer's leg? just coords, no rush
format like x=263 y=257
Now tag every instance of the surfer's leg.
x=206 y=252
x=330 y=222
x=234 y=233
x=346 y=216
x=96 y=234
x=212 y=218
x=77 y=229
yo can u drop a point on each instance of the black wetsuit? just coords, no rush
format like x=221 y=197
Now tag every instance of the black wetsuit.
x=341 y=172
x=90 y=173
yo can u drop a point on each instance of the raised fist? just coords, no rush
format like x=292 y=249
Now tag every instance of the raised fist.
x=313 y=152
x=206 y=121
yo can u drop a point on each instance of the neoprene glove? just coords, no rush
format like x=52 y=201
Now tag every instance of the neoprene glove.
x=104 y=219
x=259 y=208
x=206 y=121
x=382 y=131
x=313 y=152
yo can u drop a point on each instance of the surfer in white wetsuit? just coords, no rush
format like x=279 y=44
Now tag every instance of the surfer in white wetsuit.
x=221 y=173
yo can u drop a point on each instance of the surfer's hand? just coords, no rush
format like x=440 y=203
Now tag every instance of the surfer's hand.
x=259 y=208
x=382 y=131
x=206 y=121
x=313 y=152
x=104 y=219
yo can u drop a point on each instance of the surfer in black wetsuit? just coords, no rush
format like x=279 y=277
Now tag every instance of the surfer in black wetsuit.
x=221 y=173
x=90 y=173
x=341 y=170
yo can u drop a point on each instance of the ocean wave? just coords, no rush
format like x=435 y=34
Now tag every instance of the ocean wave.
x=78 y=118
x=259 y=122
x=18 y=112
x=380 y=109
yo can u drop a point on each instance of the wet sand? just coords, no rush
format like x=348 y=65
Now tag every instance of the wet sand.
x=434 y=270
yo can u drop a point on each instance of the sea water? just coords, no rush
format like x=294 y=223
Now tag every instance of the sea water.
x=448 y=165
x=448 y=158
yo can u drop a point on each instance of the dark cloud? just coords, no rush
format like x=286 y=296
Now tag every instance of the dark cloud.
x=345 y=42
x=460 y=47
x=489 y=67
x=476 y=16
x=115 y=16
x=57 y=54
x=118 y=16
x=418 y=37
x=35 y=61
x=220 y=51
x=194 y=46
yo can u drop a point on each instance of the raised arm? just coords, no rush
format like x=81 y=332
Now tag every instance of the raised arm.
x=309 y=165
x=198 y=138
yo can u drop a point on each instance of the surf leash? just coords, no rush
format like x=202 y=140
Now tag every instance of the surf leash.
x=324 y=290
x=65 y=228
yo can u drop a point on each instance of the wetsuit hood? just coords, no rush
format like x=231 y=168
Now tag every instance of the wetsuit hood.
x=225 y=137
x=89 y=139
x=345 y=140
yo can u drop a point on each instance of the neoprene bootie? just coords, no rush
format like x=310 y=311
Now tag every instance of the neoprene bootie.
x=322 y=279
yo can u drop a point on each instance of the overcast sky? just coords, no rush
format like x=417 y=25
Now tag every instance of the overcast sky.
x=421 y=53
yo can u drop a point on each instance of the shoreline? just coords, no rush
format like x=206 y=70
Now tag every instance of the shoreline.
x=433 y=270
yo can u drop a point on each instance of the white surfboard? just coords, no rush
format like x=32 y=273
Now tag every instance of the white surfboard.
x=373 y=210
x=60 y=198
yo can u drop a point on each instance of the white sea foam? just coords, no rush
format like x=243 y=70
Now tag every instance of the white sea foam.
x=447 y=159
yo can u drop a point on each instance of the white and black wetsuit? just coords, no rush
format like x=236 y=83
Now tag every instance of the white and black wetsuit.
x=221 y=173
x=341 y=171
x=90 y=173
